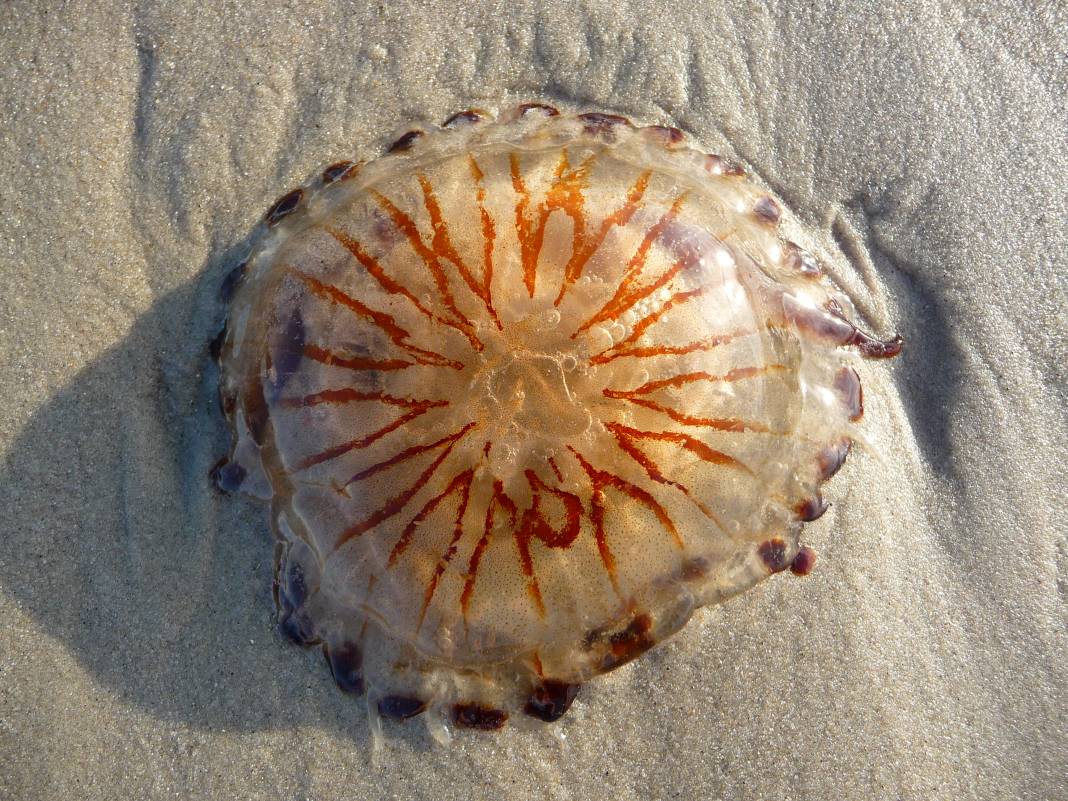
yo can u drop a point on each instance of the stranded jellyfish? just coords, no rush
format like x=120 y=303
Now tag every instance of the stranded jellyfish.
x=523 y=394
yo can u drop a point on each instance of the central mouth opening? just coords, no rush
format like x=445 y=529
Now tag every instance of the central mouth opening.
x=529 y=393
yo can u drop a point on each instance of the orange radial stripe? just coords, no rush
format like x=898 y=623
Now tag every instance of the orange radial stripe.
x=443 y=248
x=389 y=326
x=408 y=453
x=350 y=395
x=662 y=350
x=565 y=194
x=645 y=323
x=334 y=359
x=652 y=469
x=377 y=272
x=626 y=437
x=556 y=470
x=394 y=505
x=584 y=250
x=738 y=374
x=624 y=298
x=732 y=424
x=601 y=479
x=426 y=511
x=363 y=442
x=535 y=524
x=530 y=236
x=489 y=236
x=407 y=226
x=695 y=446
x=597 y=518
x=464 y=482
x=501 y=499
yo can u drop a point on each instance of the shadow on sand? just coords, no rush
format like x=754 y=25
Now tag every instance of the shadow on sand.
x=122 y=550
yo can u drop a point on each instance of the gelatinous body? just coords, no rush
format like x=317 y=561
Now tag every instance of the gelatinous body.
x=524 y=394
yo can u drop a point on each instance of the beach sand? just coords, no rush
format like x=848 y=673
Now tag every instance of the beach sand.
x=925 y=658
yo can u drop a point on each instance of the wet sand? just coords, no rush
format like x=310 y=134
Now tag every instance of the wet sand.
x=925 y=658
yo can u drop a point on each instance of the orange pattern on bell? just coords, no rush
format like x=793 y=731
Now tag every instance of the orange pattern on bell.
x=525 y=393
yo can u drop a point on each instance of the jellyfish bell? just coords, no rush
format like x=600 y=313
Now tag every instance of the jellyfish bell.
x=524 y=393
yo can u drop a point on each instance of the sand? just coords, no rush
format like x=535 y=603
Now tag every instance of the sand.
x=926 y=657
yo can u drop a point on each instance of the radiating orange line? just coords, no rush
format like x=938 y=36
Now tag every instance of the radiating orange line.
x=737 y=374
x=556 y=470
x=432 y=260
x=534 y=524
x=732 y=424
x=408 y=453
x=398 y=502
x=443 y=248
x=626 y=437
x=583 y=250
x=600 y=479
x=530 y=237
x=643 y=324
x=565 y=194
x=351 y=395
x=692 y=444
x=384 y=321
x=427 y=510
x=363 y=442
x=334 y=359
x=489 y=237
x=377 y=272
x=498 y=498
x=622 y=301
x=663 y=350
x=463 y=481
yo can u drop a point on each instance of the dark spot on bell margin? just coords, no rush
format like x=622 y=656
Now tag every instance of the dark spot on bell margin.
x=547 y=110
x=667 y=134
x=874 y=348
x=717 y=165
x=767 y=210
x=773 y=553
x=812 y=509
x=405 y=141
x=346 y=663
x=400 y=707
x=283 y=207
x=474 y=716
x=596 y=122
x=693 y=569
x=551 y=699
x=227 y=403
x=832 y=457
x=628 y=644
x=465 y=117
x=801 y=261
x=227 y=476
x=338 y=171
x=850 y=392
x=803 y=562
x=292 y=589
x=297 y=627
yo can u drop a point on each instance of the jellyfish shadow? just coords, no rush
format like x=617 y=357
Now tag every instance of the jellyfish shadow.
x=930 y=370
x=119 y=547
